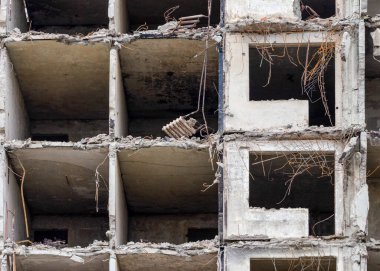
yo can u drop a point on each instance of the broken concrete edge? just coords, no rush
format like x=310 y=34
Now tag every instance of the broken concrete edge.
x=309 y=133
x=299 y=243
x=98 y=248
x=183 y=250
x=134 y=143
x=273 y=25
x=372 y=22
x=104 y=141
x=110 y=37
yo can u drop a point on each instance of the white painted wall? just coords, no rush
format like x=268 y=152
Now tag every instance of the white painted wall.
x=14 y=117
x=244 y=115
x=236 y=10
x=241 y=221
x=347 y=259
x=118 y=210
x=117 y=100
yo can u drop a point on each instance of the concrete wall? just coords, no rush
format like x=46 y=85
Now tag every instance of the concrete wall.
x=75 y=129
x=373 y=7
x=12 y=223
x=374 y=207
x=118 y=210
x=236 y=10
x=372 y=104
x=117 y=100
x=168 y=228
x=245 y=115
x=118 y=15
x=14 y=117
x=16 y=17
x=82 y=230
x=241 y=221
x=347 y=259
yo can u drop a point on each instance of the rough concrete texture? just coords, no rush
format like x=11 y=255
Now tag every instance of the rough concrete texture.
x=168 y=228
x=243 y=221
x=238 y=256
x=236 y=10
x=146 y=256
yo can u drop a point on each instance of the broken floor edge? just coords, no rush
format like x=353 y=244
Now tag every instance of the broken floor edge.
x=110 y=37
x=98 y=248
x=103 y=141
x=309 y=133
x=273 y=25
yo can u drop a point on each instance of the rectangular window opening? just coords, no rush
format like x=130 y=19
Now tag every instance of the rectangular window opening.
x=299 y=264
x=42 y=236
x=318 y=9
x=284 y=79
x=295 y=180
x=194 y=235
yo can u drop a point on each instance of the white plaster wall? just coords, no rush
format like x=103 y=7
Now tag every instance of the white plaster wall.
x=12 y=224
x=241 y=221
x=14 y=120
x=117 y=100
x=347 y=259
x=244 y=115
x=118 y=210
x=236 y=10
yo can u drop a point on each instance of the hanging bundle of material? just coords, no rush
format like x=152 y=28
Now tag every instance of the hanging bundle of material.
x=184 y=126
x=180 y=128
x=189 y=21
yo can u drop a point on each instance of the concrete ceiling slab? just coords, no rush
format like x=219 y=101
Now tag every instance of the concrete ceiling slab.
x=61 y=263
x=68 y=12
x=61 y=81
x=162 y=262
x=152 y=12
x=61 y=181
x=162 y=76
x=168 y=180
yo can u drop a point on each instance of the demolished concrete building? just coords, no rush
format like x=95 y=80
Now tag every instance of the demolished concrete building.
x=270 y=155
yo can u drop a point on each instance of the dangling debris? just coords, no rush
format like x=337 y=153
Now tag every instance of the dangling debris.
x=180 y=128
x=190 y=21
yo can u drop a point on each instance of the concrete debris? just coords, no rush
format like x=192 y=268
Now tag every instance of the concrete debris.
x=180 y=128
x=187 y=249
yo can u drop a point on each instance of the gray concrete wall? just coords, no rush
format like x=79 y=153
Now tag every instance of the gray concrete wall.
x=75 y=129
x=374 y=207
x=82 y=230
x=16 y=17
x=168 y=228
x=117 y=100
x=118 y=15
x=118 y=210
x=12 y=221
x=15 y=121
